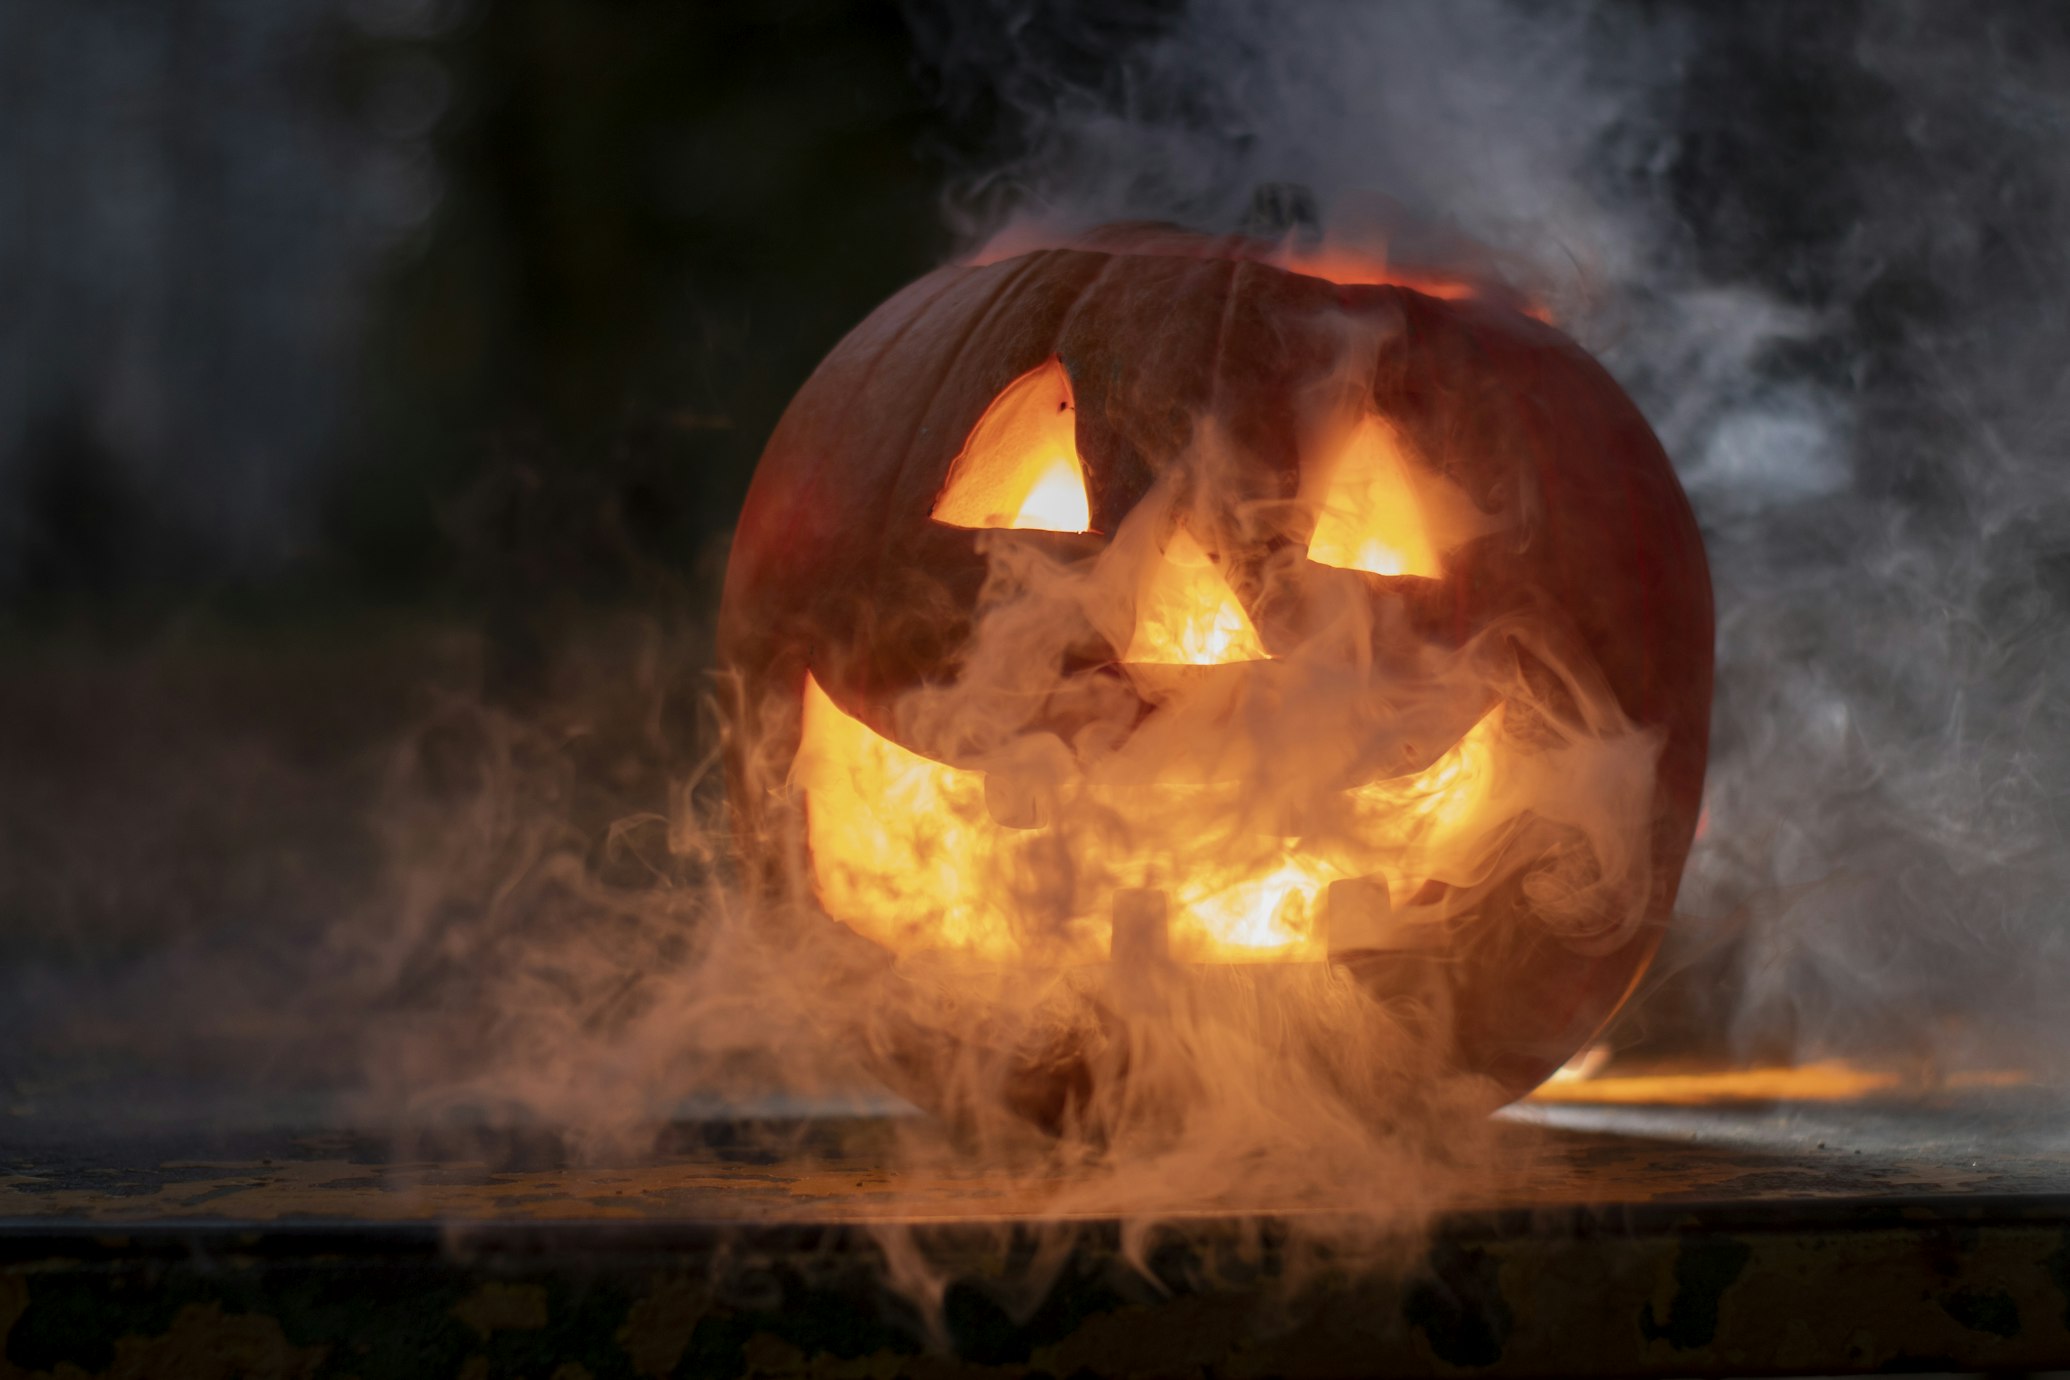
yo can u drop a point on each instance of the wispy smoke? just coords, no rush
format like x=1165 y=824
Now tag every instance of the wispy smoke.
x=1828 y=250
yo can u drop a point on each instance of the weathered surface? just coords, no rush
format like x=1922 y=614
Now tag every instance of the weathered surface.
x=1706 y=1241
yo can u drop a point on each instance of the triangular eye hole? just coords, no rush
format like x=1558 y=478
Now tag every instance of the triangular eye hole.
x=1373 y=517
x=1020 y=467
x=1187 y=615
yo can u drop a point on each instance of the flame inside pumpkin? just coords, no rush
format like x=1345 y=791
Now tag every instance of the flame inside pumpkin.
x=1370 y=519
x=906 y=851
x=1270 y=845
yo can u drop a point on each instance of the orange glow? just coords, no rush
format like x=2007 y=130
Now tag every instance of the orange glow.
x=1020 y=467
x=903 y=847
x=1371 y=518
x=905 y=850
x=1350 y=268
x=1833 y=1080
x=1187 y=615
x=1439 y=799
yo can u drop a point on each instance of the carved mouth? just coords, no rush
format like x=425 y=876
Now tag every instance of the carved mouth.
x=1031 y=861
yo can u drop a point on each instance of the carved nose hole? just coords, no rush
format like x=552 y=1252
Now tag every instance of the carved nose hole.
x=1187 y=613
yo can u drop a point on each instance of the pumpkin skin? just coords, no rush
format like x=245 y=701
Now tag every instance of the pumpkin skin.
x=837 y=568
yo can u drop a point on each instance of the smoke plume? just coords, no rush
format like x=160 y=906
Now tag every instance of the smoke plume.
x=1826 y=251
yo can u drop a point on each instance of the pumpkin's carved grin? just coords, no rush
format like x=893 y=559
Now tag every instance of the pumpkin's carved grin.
x=1199 y=784
x=919 y=854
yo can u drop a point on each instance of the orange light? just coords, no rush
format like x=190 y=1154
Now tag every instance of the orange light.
x=1832 y=1080
x=1371 y=518
x=1425 y=809
x=1350 y=267
x=905 y=850
x=1020 y=467
x=1187 y=615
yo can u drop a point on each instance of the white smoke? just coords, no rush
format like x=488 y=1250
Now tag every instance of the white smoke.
x=1825 y=250
x=1828 y=251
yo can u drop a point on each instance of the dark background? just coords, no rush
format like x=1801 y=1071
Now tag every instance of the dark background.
x=323 y=301
x=379 y=380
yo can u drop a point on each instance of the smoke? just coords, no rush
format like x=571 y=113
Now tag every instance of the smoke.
x=1826 y=252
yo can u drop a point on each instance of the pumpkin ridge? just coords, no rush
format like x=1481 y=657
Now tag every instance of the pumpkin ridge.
x=906 y=326
x=1229 y=306
x=1070 y=316
x=877 y=358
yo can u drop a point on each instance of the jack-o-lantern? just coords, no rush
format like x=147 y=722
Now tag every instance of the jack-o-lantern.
x=1158 y=600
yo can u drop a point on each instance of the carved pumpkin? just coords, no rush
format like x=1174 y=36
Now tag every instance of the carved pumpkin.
x=1158 y=600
